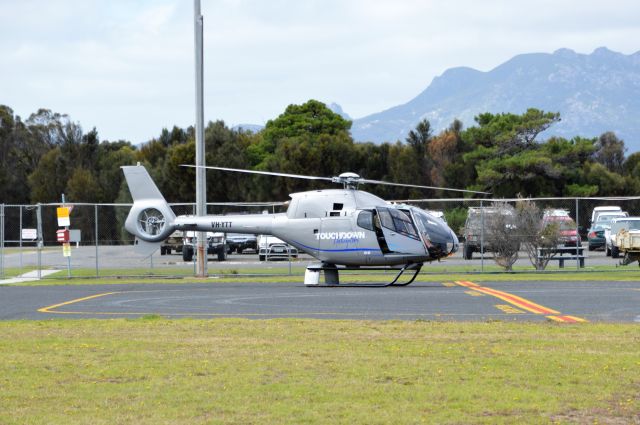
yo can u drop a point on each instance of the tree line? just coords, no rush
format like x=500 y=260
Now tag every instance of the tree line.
x=49 y=154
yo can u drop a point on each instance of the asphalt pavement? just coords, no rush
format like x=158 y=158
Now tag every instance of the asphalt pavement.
x=560 y=301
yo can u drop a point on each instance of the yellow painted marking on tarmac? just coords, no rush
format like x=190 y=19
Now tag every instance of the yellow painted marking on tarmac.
x=448 y=284
x=508 y=309
x=474 y=293
x=567 y=319
x=521 y=303
x=510 y=298
x=578 y=319
x=77 y=300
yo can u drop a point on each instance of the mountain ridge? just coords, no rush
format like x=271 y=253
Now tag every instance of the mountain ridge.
x=594 y=93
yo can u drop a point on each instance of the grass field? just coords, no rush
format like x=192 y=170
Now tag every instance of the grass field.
x=158 y=371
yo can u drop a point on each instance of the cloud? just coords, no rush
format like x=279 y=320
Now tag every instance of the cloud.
x=127 y=67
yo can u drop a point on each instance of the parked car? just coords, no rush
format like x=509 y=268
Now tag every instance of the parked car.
x=567 y=228
x=477 y=240
x=272 y=248
x=603 y=210
x=604 y=219
x=238 y=242
x=555 y=212
x=595 y=237
x=172 y=243
x=612 y=247
x=216 y=245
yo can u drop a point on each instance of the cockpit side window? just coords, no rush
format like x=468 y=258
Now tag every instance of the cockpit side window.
x=403 y=223
x=365 y=219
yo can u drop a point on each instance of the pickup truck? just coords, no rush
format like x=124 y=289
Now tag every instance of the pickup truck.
x=238 y=242
x=172 y=243
x=629 y=244
x=216 y=245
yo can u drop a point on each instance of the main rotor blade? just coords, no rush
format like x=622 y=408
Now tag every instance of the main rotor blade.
x=421 y=187
x=359 y=181
x=268 y=173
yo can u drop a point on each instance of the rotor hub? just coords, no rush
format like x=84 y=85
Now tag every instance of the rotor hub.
x=349 y=180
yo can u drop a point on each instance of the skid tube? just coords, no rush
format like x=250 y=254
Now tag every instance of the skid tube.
x=332 y=280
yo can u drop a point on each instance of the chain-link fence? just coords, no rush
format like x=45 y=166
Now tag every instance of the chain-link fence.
x=100 y=247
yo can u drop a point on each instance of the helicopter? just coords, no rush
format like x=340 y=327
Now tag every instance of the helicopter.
x=344 y=229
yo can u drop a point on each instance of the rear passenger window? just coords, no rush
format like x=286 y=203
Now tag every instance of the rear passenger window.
x=365 y=220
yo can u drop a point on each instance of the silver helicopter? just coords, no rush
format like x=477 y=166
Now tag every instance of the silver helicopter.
x=345 y=229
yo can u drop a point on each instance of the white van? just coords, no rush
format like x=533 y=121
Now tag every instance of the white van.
x=600 y=210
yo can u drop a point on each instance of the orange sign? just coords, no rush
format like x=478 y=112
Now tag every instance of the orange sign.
x=63 y=216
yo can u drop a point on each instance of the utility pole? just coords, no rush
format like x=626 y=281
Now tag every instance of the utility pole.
x=201 y=188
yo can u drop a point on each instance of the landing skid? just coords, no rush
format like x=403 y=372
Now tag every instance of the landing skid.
x=332 y=279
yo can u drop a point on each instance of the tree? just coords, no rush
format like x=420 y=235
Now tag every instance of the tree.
x=610 y=152
x=536 y=238
x=631 y=165
x=419 y=140
x=82 y=187
x=443 y=151
x=178 y=182
x=48 y=180
x=608 y=182
x=501 y=237
x=310 y=119
x=404 y=168
x=110 y=157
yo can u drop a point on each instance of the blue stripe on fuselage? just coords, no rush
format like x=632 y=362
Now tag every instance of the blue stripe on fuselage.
x=337 y=250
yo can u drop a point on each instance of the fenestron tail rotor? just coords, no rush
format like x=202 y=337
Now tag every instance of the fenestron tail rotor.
x=151 y=222
x=349 y=180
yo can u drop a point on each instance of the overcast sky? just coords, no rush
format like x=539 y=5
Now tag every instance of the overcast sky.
x=127 y=67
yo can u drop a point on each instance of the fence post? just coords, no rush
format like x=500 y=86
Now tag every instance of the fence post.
x=40 y=238
x=481 y=237
x=96 y=220
x=579 y=244
x=2 y=240
x=20 y=243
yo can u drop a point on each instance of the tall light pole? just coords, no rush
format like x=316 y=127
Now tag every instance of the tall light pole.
x=201 y=186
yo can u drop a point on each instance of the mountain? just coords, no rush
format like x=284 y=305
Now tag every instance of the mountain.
x=594 y=93
x=253 y=128
x=334 y=107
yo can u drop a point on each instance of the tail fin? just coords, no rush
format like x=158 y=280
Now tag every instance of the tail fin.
x=150 y=219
